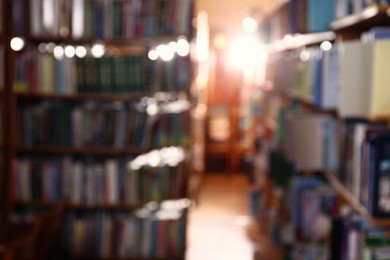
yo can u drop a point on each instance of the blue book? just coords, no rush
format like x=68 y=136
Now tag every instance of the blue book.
x=320 y=14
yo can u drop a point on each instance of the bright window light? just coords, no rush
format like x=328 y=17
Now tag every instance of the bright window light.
x=17 y=44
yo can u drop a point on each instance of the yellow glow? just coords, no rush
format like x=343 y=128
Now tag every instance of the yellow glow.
x=219 y=41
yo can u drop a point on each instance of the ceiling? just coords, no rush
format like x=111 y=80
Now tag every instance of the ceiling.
x=225 y=15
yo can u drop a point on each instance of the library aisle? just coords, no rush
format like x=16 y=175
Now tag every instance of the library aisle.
x=220 y=227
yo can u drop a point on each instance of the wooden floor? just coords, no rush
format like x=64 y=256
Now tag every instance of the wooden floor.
x=220 y=226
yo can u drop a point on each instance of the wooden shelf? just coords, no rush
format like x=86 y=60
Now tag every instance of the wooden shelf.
x=347 y=195
x=159 y=96
x=86 y=97
x=182 y=257
x=85 y=207
x=376 y=15
x=116 y=41
x=92 y=150
x=299 y=40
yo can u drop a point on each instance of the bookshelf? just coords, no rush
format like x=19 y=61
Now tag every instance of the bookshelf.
x=298 y=99
x=58 y=89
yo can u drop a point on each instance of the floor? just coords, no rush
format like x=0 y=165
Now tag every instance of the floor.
x=220 y=226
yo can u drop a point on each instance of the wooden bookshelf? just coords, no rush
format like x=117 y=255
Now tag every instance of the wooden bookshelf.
x=375 y=15
x=121 y=206
x=292 y=42
x=115 y=41
x=353 y=202
x=85 y=97
x=93 y=150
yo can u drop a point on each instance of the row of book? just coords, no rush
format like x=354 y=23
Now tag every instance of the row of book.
x=119 y=235
x=347 y=7
x=103 y=18
x=310 y=16
x=93 y=182
x=312 y=75
x=98 y=124
x=360 y=240
x=313 y=204
x=310 y=140
x=366 y=152
x=350 y=77
x=38 y=72
x=356 y=150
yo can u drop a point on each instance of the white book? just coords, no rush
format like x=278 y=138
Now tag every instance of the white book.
x=306 y=141
x=35 y=17
x=111 y=169
x=330 y=79
x=354 y=89
x=78 y=18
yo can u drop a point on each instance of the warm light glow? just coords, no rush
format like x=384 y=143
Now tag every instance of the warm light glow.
x=202 y=37
x=249 y=25
x=183 y=47
x=326 y=46
x=70 y=51
x=173 y=46
x=58 y=52
x=247 y=53
x=152 y=109
x=305 y=55
x=219 y=41
x=288 y=40
x=164 y=52
x=98 y=50
x=153 y=55
x=81 y=51
x=17 y=44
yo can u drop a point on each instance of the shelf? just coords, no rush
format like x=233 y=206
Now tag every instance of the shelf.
x=376 y=15
x=117 y=41
x=86 y=97
x=182 y=257
x=347 y=195
x=290 y=42
x=159 y=96
x=92 y=150
x=103 y=207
